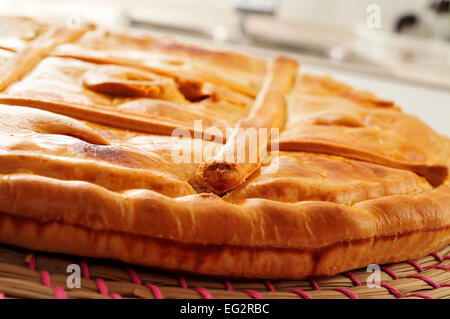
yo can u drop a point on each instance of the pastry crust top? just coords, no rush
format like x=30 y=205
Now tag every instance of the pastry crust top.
x=86 y=124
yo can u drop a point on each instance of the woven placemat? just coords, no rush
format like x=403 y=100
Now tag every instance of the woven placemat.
x=25 y=274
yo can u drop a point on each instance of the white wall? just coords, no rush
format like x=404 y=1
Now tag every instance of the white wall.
x=338 y=13
x=346 y=13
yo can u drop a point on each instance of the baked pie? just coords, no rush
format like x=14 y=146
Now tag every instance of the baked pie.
x=341 y=179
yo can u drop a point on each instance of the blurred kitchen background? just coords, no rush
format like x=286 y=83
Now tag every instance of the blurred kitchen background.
x=399 y=49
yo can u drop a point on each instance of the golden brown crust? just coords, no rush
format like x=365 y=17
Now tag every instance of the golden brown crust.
x=55 y=85
x=24 y=119
x=170 y=58
x=229 y=261
x=227 y=170
x=297 y=176
x=149 y=124
x=334 y=121
x=350 y=147
x=31 y=54
x=356 y=182
x=191 y=219
x=16 y=32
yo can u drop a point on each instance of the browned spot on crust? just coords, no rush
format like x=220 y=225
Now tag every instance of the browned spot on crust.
x=111 y=153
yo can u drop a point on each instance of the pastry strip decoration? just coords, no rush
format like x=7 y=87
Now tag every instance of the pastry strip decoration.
x=269 y=111
x=36 y=50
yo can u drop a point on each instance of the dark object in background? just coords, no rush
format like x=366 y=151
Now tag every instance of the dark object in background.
x=433 y=21
x=406 y=21
x=440 y=6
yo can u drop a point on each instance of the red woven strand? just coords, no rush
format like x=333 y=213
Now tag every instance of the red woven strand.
x=353 y=278
x=45 y=276
x=32 y=264
x=101 y=285
x=228 y=285
x=314 y=284
x=444 y=267
x=204 y=293
x=390 y=272
x=253 y=294
x=392 y=290
x=269 y=286
x=426 y=279
x=437 y=257
x=134 y=276
x=347 y=292
x=84 y=270
x=59 y=293
x=183 y=282
x=301 y=293
x=415 y=265
x=421 y=295
x=155 y=291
